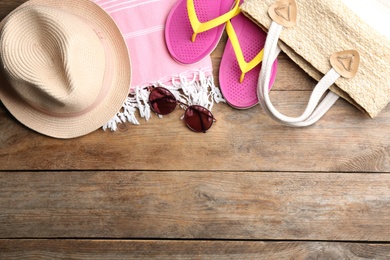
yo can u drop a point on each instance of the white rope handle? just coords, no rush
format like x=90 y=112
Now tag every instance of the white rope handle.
x=314 y=110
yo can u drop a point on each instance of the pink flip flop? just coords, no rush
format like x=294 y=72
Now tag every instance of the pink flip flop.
x=250 y=40
x=194 y=27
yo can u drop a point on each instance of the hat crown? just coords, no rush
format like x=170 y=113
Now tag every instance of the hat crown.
x=53 y=59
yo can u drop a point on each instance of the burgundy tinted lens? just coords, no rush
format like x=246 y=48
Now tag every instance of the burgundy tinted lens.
x=162 y=101
x=198 y=118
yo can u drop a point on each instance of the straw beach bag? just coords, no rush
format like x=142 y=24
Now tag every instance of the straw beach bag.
x=344 y=44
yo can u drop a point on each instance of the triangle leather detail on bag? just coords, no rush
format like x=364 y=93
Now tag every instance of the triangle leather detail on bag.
x=346 y=63
x=284 y=12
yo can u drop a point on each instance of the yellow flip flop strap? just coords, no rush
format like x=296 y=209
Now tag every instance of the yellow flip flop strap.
x=244 y=66
x=199 y=27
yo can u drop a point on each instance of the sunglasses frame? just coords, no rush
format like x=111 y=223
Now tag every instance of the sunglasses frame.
x=194 y=108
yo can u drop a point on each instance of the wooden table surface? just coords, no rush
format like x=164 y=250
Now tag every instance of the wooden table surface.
x=250 y=188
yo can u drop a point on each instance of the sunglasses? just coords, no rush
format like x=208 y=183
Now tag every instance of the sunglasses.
x=197 y=118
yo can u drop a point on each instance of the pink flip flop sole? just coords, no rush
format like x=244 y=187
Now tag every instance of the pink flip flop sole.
x=252 y=39
x=178 y=30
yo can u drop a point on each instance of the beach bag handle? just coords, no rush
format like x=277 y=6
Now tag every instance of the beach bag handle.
x=344 y=64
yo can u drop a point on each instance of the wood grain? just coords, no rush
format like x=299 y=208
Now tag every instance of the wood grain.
x=201 y=205
x=250 y=188
x=344 y=141
x=143 y=249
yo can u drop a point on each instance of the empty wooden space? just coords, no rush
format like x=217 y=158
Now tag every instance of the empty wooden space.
x=249 y=188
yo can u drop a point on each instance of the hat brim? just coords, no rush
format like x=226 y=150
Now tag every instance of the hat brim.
x=71 y=127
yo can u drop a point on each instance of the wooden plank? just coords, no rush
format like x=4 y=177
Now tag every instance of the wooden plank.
x=6 y=6
x=344 y=140
x=144 y=249
x=241 y=140
x=248 y=178
x=201 y=205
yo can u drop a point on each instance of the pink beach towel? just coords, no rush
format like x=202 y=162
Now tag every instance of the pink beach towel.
x=142 y=23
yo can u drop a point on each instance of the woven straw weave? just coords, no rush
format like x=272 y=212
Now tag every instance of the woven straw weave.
x=328 y=26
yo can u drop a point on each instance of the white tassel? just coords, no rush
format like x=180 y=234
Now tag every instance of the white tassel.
x=191 y=88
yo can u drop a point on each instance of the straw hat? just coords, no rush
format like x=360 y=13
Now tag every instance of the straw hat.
x=66 y=68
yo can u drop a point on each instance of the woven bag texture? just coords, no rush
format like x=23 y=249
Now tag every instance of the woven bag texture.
x=328 y=26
